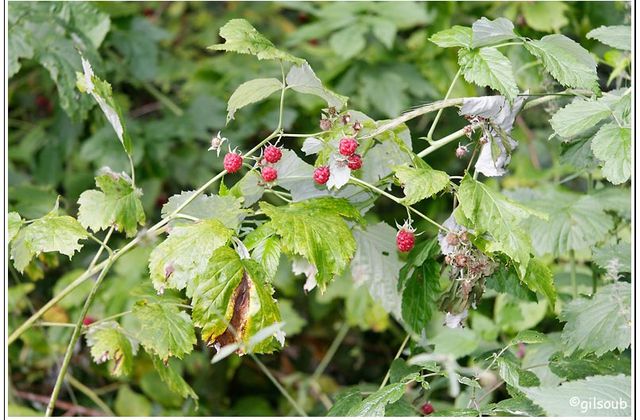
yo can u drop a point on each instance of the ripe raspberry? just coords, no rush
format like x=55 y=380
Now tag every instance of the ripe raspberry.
x=269 y=174
x=88 y=320
x=321 y=175
x=427 y=408
x=272 y=154
x=232 y=162
x=405 y=239
x=348 y=146
x=354 y=162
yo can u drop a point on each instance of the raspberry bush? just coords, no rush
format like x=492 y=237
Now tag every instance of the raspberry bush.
x=503 y=227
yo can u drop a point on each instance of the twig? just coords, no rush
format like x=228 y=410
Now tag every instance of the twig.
x=64 y=405
x=89 y=393
x=388 y=375
x=277 y=384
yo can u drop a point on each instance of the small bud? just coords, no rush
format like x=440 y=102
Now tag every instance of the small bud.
x=216 y=143
x=461 y=151
x=357 y=126
x=346 y=119
x=325 y=124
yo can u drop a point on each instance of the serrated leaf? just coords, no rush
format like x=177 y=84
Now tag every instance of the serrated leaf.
x=614 y=257
x=14 y=223
x=376 y=265
x=539 y=278
x=315 y=229
x=251 y=92
x=599 y=324
x=344 y=403
x=517 y=406
x=117 y=204
x=349 y=41
x=612 y=145
x=506 y=280
x=226 y=209
x=494 y=213
x=232 y=303
x=375 y=404
x=302 y=79
x=577 y=221
x=456 y=36
x=100 y=90
x=571 y=398
x=108 y=342
x=420 y=295
x=567 y=61
x=184 y=254
x=420 y=181
x=490 y=32
x=19 y=46
x=173 y=380
x=581 y=366
x=514 y=375
x=488 y=67
x=618 y=36
x=295 y=175
x=578 y=116
x=50 y=233
x=545 y=16
x=130 y=403
x=248 y=189
x=399 y=371
x=164 y=329
x=243 y=38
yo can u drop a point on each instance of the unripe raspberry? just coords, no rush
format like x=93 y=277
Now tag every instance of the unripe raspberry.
x=232 y=162
x=405 y=240
x=427 y=408
x=321 y=175
x=354 y=162
x=269 y=174
x=348 y=146
x=325 y=124
x=461 y=151
x=272 y=154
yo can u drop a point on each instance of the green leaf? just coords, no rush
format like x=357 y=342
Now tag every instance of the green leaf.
x=129 y=403
x=349 y=41
x=302 y=79
x=14 y=223
x=488 y=67
x=420 y=182
x=173 y=380
x=50 y=233
x=615 y=257
x=456 y=36
x=529 y=337
x=514 y=375
x=506 y=280
x=226 y=209
x=383 y=29
x=581 y=366
x=492 y=212
x=101 y=93
x=612 y=145
x=184 y=254
x=599 y=324
x=540 y=279
x=517 y=406
x=315 y=229
x=265 y=248
x=376 y=264
x=545 y=16
x=232 y=303
x=490 y=32
x=567 y=61
x=579 y=116
x=164 y=329
x=578 y=221
x=374 y=405
x=576 y=398
x=251 y=92
x=455 y=342
x=399 y=371
x=344 y=403
x=117 y=204
x=420 y=295
x=19 y=46
x=618 y=36
x=243 y=38
x=109 y=342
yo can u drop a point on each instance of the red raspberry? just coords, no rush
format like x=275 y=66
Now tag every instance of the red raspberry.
x=321 y=175
x=354 y=162
x=88 y=320
x=348 y=146
x=427 y=408
x=405 y=240
x=269 y=174
x=272 y=154
x=232 y=162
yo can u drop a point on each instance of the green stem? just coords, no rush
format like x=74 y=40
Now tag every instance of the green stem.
x=133 y=170
x=437 y=144
x=277 y=384
x=437 y=118
x=333 y=348
x=92 y=395
x=163 y=99
x=397 y=200
x=74 y=338
x=398 y=353
x=506 y=44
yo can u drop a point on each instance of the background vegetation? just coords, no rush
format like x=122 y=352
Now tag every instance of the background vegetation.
x=174 y=93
